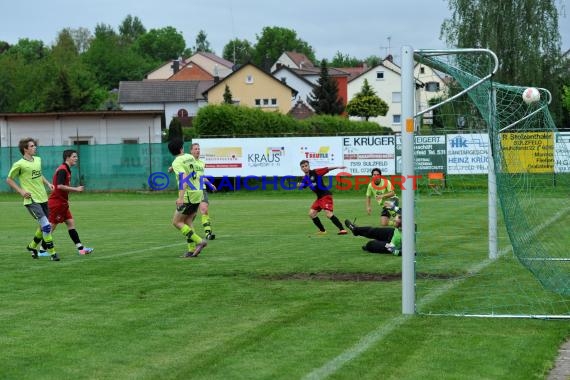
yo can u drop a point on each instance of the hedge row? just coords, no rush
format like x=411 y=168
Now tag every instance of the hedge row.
x=234 y=121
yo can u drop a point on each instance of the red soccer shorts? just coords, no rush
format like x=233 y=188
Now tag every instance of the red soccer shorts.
x=324 y=203
x=58 y=213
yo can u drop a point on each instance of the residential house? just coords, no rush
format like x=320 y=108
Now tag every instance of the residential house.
x=386 y=81
x=211 y=63
x=253 y=87
x=167 y=69
x=191 y=71
x=434 y=86
x=180 y=99
x=216 y=66
x=293 y=60
x=353 y=72
x=303 y=67
x=85 y=128
x=290 y=77
x=341 y=78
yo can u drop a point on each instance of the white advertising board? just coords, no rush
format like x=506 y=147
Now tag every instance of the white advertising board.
x=361 y=154
x=468 y=153
x=268 y=156
x=562 y=152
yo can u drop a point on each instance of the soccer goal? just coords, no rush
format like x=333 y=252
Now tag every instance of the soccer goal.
x=518 y=264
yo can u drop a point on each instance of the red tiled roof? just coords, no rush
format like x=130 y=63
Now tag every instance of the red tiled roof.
x=300 y=59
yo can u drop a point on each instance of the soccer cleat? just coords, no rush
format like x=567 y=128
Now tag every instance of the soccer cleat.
x=199 y=247
x=351 y=226
x=54 y=257
x=43 y=253
x=210 y=235
x=342 y=232
x=188 y=255
x=320 y=233
x=33 y=251
x=85 y=251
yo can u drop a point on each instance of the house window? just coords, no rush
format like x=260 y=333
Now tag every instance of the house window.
x=249 y=79
x=432 y=86
x=379 y=75
x=130 y=141
x=396 y=119
x=422 y=70
x=266 y=102
x=396 y=97
x=74 y=140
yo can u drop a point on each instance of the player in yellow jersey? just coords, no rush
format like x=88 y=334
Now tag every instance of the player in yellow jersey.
x=189 y=197
x=28 y=172
x=383 y=192
x=199 y=166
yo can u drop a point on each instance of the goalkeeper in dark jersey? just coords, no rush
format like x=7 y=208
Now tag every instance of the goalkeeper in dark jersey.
x=314 y=180
x=385 y=239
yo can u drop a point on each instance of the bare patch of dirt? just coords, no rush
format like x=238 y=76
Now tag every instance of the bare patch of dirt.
x=356 y=277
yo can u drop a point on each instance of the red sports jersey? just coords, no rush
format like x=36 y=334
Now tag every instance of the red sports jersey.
x=62 y=176
x=314 y=180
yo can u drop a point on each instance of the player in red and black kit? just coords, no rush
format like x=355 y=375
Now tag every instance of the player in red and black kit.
x=58 y=202
x=314 y=180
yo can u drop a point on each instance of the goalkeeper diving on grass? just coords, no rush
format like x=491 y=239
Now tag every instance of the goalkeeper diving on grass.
x=385 y=239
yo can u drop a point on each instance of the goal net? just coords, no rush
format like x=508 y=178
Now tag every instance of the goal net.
x=457 y=272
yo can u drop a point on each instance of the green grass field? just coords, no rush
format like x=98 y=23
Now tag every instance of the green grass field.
x=265 y=300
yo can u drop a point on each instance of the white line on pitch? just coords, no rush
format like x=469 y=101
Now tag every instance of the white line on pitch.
x=377 y=335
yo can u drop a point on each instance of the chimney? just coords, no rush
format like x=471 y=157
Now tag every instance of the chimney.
x=175 y=66
x=216 y=79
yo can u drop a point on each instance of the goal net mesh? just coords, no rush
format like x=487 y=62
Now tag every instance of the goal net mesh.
x=531 y=274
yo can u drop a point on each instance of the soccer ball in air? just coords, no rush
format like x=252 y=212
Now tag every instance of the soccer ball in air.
x=531 y=95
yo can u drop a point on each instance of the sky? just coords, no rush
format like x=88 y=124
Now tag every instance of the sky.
x=358 y=28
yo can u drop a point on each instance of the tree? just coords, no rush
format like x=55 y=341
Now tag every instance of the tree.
x=566 y=97
x=275 y=40
x=373 y=61
x=81 y=37
x=161 y=45
x=525 y=37
x=130 y=29
x=4 y=46
x=202 y=43
x=324 y=98
x=344 y=60
x=366 y=103
x=228 y=95
x=175 y=129
x=28 y=50
x=65 y=50
x=238 y=51
x=111 y=61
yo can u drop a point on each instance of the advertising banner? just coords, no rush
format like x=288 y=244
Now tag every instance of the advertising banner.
x=429 y=154
x=468 y=153
x=562 y=152
x=363 y=153
x=528 y=152
x=268 y=156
